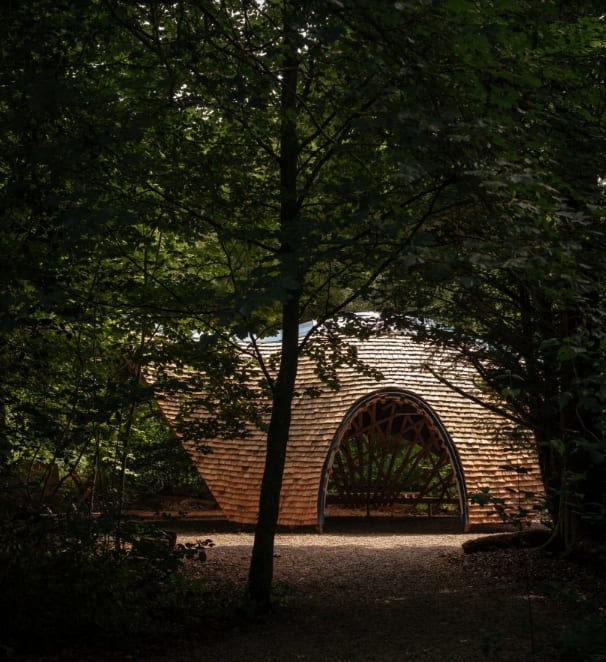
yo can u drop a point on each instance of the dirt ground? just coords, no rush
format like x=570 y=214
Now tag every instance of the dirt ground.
x=386 y=590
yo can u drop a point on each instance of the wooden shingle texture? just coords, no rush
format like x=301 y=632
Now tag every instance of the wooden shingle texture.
x=234 y=468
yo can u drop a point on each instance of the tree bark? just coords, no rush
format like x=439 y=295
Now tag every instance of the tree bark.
x=261 y=567
x=574 y=481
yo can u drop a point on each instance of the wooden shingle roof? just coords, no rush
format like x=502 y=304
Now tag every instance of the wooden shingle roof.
x=233 y=469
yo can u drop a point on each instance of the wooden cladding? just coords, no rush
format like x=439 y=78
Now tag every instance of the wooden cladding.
x=392 y=452
x=392 y=437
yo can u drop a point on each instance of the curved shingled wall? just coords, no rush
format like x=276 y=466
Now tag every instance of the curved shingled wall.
x=233 y=469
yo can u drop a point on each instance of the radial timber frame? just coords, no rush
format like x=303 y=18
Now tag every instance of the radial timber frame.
x=383 y=439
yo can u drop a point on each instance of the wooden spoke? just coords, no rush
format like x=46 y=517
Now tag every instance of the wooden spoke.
x=393 y=453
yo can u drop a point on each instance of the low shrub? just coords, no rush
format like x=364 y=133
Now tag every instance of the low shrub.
x=69 y=580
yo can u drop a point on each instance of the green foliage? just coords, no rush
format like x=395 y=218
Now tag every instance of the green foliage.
x=232 y=168
x=65 y=581
x=520 y=509
x=586 y=640
x=159 y=461
x=585 y=637
x=492 y=641
x=516 y=280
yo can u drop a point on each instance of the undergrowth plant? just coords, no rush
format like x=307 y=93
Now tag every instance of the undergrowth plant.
x=584 y=638
x=66 y=581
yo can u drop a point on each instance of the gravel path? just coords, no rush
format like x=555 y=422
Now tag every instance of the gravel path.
x=384 y=591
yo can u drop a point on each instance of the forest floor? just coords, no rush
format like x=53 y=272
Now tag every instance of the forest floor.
x=384 y=589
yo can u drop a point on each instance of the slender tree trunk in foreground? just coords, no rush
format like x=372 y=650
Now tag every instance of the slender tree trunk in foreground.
x=261 y=567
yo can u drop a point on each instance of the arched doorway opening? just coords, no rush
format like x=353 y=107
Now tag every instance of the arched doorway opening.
x=392 y=455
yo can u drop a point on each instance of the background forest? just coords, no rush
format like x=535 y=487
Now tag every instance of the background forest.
x=231 y=168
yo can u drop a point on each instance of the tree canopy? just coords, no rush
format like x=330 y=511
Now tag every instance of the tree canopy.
x=233 y=168
x=518 y=286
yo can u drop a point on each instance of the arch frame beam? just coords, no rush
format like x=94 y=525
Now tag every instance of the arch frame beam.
x=404 y=397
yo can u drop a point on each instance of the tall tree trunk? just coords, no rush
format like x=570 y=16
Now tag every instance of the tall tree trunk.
x=571 y=458
x=577 y=531
x=261 y=567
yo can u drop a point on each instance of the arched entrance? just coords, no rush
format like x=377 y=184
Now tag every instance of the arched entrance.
x=392 y=452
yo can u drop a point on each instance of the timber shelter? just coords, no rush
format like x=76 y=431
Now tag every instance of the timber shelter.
x=415 y=442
